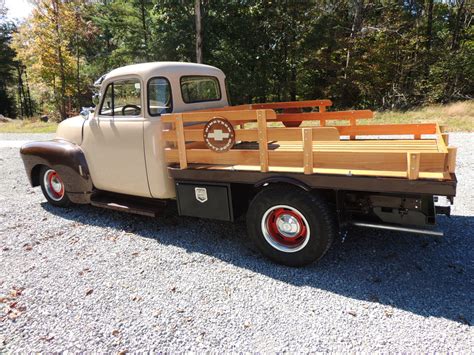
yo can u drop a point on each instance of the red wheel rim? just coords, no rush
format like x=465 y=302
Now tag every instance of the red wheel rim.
x=285 y=228
x=54 y=185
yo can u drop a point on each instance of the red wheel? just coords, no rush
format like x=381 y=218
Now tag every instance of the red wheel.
x=289 y=225
x=285 y=228
x=53 y=187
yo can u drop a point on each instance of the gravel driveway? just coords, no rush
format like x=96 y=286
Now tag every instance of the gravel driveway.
x=87 y=279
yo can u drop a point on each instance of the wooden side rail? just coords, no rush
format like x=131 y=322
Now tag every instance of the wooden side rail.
x=197 y=116
x=321 y=104
x=251 y=135
x=315 y=149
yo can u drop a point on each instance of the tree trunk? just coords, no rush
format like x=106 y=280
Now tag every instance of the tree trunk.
x=198 y=18
x=457 y=25
x=62 y=75
x=145 y=29
x=356 y=25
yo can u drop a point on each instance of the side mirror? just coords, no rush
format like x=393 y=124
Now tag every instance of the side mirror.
x=96 y=99
x=86 y=111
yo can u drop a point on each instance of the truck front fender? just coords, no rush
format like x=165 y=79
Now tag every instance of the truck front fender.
x=67 y=159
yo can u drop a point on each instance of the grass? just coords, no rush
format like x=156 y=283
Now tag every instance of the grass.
x=28 y=126
x=458 y=116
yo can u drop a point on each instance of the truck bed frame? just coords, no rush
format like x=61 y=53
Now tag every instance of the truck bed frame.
x=269 y=141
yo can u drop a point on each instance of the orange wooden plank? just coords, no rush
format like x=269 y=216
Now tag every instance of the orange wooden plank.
x=292 y=104
x=243 y=115
x=262 y=140
x=387 y=129
x=183 y=163
x=413 y=165
x=335 y=115
x=308 y=150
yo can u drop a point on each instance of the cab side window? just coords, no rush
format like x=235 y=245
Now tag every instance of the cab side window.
x=122 y=98
x=159 y=96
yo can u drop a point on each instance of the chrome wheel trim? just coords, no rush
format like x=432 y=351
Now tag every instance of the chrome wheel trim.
x=288 y=233
x=53 y=185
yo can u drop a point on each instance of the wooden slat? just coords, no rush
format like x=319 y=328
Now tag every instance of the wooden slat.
x=398 y=174
x=292 y=104
x=262 y=139
x=445 y=137
x=440 y=141
x=273 y=105
x=413 y=165
x=314 y=116
x=387 y=129
x=242 y=115
x=183 y=163
x=429 y=162
x=452 y=151
x=308 y=150
x=251 y=135
x=295 y=133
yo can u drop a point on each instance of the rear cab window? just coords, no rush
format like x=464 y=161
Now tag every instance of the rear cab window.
x=196 y=88
x=122 y=98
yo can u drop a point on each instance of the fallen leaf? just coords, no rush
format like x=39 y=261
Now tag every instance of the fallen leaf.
x=352 y=313
x=89 y=291
x=16 y=291
x=115 y=332
x=135 y=253
x=388 y=313
x=246 y=324
x=122 y=352
x=47 y=337
x=27 y=247
x=173 y=289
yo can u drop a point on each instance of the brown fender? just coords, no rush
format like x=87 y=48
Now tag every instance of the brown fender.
x=67 y=159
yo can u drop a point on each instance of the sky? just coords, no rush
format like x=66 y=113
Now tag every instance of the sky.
x=17 y=9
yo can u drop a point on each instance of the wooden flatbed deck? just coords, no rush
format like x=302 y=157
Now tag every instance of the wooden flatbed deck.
x=330 y=148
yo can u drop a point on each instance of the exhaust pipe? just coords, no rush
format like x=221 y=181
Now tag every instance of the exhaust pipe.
x=398 y=228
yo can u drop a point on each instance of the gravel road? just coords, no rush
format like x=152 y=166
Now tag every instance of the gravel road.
x=87 y=279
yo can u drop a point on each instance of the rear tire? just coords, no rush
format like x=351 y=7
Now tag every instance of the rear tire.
x=290 y=226
x=53 y=187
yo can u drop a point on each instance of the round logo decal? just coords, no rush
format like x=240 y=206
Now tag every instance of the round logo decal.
x=219 y=135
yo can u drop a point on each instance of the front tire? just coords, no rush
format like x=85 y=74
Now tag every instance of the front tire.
x=53 y=188
x=290 y=226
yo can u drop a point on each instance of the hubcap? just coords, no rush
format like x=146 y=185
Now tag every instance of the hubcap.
x=285 y=228
x=54 y=185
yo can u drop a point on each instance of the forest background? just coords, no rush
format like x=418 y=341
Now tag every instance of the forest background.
x=394 y=54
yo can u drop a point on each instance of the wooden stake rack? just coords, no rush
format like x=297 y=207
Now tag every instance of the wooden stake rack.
x=329 y=148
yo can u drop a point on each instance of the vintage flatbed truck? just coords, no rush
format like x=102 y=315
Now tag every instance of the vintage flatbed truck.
x=165 y=131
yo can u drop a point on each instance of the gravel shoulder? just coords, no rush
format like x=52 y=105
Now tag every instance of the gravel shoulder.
x=87 y=279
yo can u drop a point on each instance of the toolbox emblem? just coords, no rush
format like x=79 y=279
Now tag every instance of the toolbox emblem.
x=201 y=194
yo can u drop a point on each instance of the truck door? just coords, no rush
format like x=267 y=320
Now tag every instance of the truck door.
x=113 y=140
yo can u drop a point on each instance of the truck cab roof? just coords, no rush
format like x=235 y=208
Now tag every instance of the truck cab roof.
x=169 y=69
x=177 y=74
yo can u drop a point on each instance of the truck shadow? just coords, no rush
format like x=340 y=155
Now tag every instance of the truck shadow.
x=420 y=274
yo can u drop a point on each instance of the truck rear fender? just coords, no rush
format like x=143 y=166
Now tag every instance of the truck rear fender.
x=282 y=180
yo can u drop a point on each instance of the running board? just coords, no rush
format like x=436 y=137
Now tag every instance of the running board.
x=398 y=228
x=129 y=204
